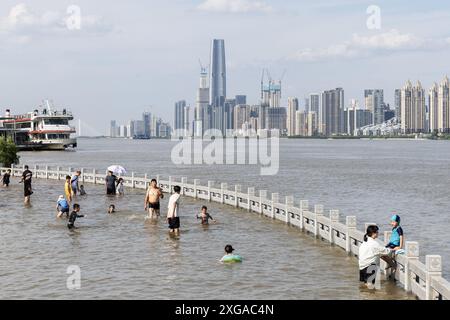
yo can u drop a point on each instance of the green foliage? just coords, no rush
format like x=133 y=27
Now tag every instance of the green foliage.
x=8 y=152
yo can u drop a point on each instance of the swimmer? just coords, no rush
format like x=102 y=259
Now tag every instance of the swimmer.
x=73 y=216
x=62 y=206
x=82 y=191
x=205 y=216
x=112 y=209
x=230 y=256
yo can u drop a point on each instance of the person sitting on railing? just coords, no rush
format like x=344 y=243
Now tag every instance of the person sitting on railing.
x=397 y=238
x=369 y=256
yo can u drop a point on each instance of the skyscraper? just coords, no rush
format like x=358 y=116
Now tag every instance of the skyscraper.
x=201 y=108
x=433 y=106
x=444 y=106
x=112 y=130
x=292 y=109
x=413 y=108
x=398 y=98
x=374 y=100
x=179 y=121
x=218 y=75
x=147 y=118
x=314 y=102
x=240 y=99
x=331 y=112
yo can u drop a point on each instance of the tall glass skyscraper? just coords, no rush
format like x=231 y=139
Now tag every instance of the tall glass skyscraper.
x=218 y=75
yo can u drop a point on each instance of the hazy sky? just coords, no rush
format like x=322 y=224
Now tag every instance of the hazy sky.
x=131 y=56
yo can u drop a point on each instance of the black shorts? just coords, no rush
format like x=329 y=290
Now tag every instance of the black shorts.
x=154 y=206
x=27 y=191
x=174 y=223
x=364 y=274
x=391 y=245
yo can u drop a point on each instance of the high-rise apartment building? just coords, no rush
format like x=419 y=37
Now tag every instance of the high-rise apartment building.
x=331 y=112
x=179 y=121
x=292 y=109
x=444 y=106
x=413 y=109
x=374 y=101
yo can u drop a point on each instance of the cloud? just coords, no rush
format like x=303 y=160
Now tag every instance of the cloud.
x=21 y=24
x=363 y=46
x=234 y=6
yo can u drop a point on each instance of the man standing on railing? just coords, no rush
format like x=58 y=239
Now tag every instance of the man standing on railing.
x=27 y=175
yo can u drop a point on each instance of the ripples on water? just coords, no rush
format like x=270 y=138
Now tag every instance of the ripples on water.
x=125 y=256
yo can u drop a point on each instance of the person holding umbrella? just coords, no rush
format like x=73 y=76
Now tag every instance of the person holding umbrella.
x=111 y=179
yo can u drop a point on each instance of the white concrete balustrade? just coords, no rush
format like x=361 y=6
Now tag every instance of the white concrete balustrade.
x=422 y=279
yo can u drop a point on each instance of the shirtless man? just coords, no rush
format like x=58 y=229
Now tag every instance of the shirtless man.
x=151 y=202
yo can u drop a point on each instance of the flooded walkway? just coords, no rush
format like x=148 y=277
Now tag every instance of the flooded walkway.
x=125 y=256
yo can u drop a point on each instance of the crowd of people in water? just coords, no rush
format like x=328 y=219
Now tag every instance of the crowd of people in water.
x=370 y=251
x=115 y=186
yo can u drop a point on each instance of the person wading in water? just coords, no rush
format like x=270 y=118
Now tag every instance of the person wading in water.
x=151 y=202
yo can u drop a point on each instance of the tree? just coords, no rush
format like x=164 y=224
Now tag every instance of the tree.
x=8 y=152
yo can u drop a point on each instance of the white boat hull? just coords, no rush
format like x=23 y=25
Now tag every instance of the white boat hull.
x=56 y=144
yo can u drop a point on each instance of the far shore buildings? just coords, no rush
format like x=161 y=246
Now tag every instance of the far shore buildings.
x=149 y=127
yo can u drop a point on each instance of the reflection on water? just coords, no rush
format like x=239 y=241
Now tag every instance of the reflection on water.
x=124 y=255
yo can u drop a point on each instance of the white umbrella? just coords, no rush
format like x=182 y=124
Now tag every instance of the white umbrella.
x=117 y=169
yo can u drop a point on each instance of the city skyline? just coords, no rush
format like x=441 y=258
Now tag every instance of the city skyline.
x=89 y=76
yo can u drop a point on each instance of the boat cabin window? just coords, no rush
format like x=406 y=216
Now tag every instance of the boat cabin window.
x=56 y=121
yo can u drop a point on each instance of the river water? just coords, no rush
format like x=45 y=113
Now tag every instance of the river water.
x=126 y=256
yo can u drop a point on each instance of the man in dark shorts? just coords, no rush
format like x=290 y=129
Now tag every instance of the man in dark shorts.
x=110 y=183
x=151 y=202
x=172 y=213
x=27 y=175
x=73 y=216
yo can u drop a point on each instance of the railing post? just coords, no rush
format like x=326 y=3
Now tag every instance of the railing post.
x=412 y=254
x=12 y=169
x=196 y=183
x=146 y=181
x=70 y=171
x=132 y=180
x=250 y=194
x=350 y=221
x=237 y=189
x=183 y=185
x=318 y=211
x=210 y=185
x=433 y=265
x=262 y=199
x=223 y=188
x=289 y=204
x=35 y=171
x=334 y=218
x=82 y=175
x=275 y=199
x=58 y=174
x=170 y=184
x=304 y=206
x=94 y=172
x=46 y=172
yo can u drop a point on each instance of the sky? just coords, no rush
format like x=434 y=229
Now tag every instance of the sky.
x=107 y=60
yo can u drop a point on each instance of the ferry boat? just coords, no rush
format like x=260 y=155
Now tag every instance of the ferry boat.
x=45 y=129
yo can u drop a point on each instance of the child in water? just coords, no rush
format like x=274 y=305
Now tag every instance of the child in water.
x=205 y=216
x=119 y=187
x=230 y=256
x=62 y=206
x=68 y=189
x=82 y=191
x=73 y=216
x=112 y=209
